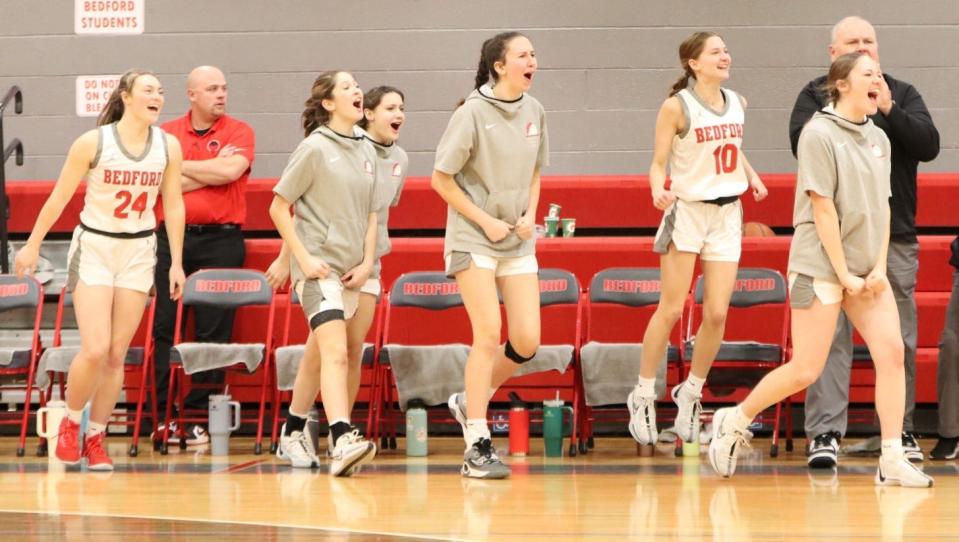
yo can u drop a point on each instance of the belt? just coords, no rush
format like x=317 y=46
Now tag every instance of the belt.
x=725 y=200
x=210 y=228
x=118 y=235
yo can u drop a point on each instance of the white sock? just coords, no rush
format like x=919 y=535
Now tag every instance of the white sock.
x=93 y=428
x=740 y=420
x=892 y=449
x=75 y=415
x=646 y=387
x=694 y=385
x=475 y=430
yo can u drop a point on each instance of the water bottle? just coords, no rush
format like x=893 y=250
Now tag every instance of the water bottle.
x=518 y=426
x=220 y=424
x=416 y=433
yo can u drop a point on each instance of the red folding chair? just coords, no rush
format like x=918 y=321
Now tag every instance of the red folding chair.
x=286 y=361
x=424 y=322
x=756 y=341
x=225 y=289
x=19 y=354
x=618 y=306
x=139 y=380
x=556 y=364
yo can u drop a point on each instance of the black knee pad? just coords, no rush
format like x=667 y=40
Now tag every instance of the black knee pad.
x=328 y=315
x=515 y=357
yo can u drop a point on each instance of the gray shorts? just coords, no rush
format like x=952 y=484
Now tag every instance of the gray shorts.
x=326 y=300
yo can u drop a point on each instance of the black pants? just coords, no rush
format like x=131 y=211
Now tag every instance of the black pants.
x=216 y=248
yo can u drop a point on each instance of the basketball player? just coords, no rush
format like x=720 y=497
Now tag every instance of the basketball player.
x=699 y=133
x=330 y=179
x=488 y=172
x=843 y=178
x=127 y=162
x=384 y=115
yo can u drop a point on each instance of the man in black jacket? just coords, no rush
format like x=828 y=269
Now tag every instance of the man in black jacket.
x=904 y=118
x=947 y=378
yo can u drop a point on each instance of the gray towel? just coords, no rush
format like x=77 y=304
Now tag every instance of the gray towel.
x=430 y=373
x=548 y=358
x=610 y=371
x=14 y=358
x=433 y=373
x=198 y=357
x=56 y=359
x=288 y=363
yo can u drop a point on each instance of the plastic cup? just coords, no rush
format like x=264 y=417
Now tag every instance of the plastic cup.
x=554 y=210
x=569 y=227
x=552 y=226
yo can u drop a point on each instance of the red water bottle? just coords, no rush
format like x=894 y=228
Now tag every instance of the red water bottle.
x=518 y=426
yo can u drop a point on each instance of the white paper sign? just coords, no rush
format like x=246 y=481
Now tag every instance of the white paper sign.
x=93 y=91
x=108 y=16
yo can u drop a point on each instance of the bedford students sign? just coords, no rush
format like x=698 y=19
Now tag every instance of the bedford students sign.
x=108 y=16
x=93 y=91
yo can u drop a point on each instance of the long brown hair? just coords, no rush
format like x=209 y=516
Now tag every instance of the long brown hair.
x=113 y=110
x=690 y=49
x=839 y=70
x=315 y=115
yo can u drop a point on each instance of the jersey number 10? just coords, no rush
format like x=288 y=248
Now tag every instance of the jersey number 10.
x=727 y=156
x=138 y=205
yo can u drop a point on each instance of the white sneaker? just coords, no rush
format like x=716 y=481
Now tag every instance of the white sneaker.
x=687 y=417
x=726 y=442
x=457 y=405
x=297 y=449
x=351 y=450
x=900 y=472
x=642 y=418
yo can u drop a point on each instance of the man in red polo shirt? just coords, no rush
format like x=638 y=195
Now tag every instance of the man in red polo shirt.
x=217 y=156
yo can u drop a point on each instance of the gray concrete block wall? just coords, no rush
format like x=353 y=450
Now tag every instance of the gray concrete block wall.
x=605 y=66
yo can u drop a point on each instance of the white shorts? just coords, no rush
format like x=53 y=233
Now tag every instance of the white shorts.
x=372 y=287
x=101 y=260
x=715 y=232
x=501 y=267
x=326 y=300
x=803 y=289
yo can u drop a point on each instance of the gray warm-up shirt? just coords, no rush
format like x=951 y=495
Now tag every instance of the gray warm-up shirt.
x=392 y=165
x=331 y=181
x=848 y=163
x=492 y=147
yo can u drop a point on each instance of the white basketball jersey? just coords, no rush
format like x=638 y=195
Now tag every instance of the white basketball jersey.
x=122 y=189
x=705 y=162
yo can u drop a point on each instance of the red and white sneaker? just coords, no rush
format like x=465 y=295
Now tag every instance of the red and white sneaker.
x=97 y=458
x=68 y=442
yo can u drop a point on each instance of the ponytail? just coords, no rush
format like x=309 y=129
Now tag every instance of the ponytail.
x=681 y=83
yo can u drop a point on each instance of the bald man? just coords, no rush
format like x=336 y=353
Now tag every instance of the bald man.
x=217 y=156
x=904 y=118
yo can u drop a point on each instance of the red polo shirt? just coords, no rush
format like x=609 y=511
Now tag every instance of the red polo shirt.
x=223 y=204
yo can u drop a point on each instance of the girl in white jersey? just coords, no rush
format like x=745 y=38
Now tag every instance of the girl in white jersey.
x=488 y=172
x=837 y=260
x=127 y=162
x=699 y=133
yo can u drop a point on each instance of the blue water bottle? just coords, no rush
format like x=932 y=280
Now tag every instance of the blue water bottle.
x=416 y=429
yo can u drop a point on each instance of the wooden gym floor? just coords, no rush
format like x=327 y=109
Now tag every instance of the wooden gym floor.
x=608 y=495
